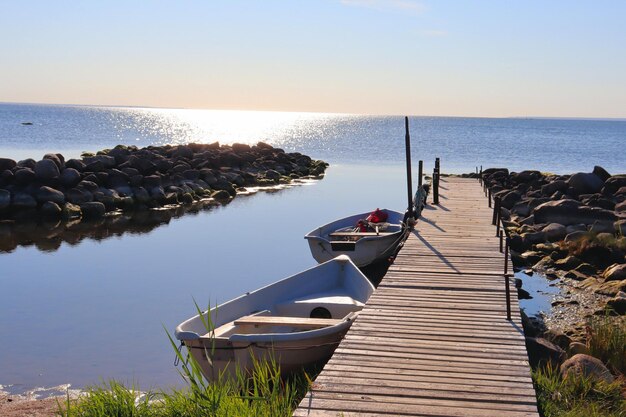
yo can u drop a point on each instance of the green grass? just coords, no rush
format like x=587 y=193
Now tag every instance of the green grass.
x=606 y=340
x=577 y=396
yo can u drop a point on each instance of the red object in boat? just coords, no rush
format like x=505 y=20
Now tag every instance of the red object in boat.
x=377 y=216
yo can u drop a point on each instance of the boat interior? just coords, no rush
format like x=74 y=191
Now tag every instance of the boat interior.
x=313 y=312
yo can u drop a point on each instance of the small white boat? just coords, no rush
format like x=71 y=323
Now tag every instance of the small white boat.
x=299 y=321
x=363 y=247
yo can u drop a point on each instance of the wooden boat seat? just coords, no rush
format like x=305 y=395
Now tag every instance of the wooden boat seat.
x=286 y=321
x=358 y=234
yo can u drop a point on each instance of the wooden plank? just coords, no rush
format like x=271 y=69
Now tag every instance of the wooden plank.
x=304 y=322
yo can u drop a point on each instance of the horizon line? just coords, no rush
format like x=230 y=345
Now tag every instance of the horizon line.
x=314 y=112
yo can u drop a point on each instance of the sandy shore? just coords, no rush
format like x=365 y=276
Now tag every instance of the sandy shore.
x=16 y=406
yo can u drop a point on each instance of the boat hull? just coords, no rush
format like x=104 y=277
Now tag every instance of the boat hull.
x=297 y=321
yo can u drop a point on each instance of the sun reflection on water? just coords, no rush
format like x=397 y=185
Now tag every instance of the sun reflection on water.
x=205 y=126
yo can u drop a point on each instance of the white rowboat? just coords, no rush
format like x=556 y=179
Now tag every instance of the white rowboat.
x=363 y=248
x=299 y=321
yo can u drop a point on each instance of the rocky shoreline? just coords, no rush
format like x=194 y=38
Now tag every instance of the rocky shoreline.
x=571 y=230
x=127 y=178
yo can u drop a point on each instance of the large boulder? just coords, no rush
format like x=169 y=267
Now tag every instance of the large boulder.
x=585 y=183
x=45 y=193
x=46 y=170
x=615 y=272
x=618 y=303
x=614 y=183
x=106 y=161
x=601 y=173
x=555 y=232
x=586 y=366
x=51 y=209
x=554 y=186
x=621 y=207
x=57 y=159
x=543 y=351
x=93 y=210
x=6 y=163
x=70 y=177
x=568 y=212
x=25 y=176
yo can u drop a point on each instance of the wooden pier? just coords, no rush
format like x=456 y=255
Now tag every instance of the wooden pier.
x=434 y=339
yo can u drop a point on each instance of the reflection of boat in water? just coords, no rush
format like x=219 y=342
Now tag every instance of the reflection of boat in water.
x=298 y=321
x=363 y=245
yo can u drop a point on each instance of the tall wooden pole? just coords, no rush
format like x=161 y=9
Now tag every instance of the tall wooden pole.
x=409 y=185
x=420 y=172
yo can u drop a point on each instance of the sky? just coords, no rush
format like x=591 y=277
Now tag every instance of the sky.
x=448 y=57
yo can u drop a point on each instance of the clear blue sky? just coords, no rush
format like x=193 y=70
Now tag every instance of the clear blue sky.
x=472 y=58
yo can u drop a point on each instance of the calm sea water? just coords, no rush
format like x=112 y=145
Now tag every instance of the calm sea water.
x=99 y=309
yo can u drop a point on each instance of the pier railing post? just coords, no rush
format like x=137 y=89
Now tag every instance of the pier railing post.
x=409 y=185
x=420 y=172
x=507 y=285
x=495 y=212
x=489 y=197
x=435 y=186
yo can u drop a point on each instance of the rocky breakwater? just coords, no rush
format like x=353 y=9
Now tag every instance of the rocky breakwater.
x=127 y=178
x=569 y=227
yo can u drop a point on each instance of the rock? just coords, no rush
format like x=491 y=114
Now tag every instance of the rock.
x=615 y=272
x=76 y=164
x=532 y=238
x=22 y=201
x=576 y=275
x=613 y=184
x=51 y=209
x=71 y=211
x=93 y=210
x=568 y=212
x=545 y=263
x=509 y=199
x=618 y=303
x=541 y=351
x=575 y=236
x=531 y=257
x=46 y=170
x=576 y=348
x=586 y=269
x=25 y=176
x=585 y=183
x=521 y=208
x=241 y=147
x=50 y=194
x=106 y=161
x=6 y=163
x=621 y=207
x=602 y=227
x=587 y=366
x=554 y=232
x=553 y=187
x=568 y=263
x=601 y=173
x=220 y=195
x=56 y=159
x=5 y=199
x=78 y=196
x=70 y=177
x=558 y=338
